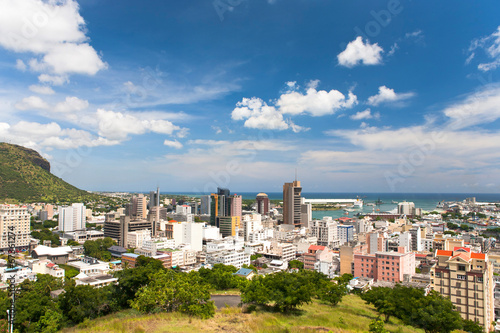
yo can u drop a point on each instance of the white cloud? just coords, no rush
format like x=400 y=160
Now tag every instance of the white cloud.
x=478 y=108
x=387 y=95
x=32 y=103
x=20 y=65
x=357 y=53
x=52 y=30
x=51 y=135
x=43 y=90
x=118 y=125
x=366 y=114
x=56 y=80
x=259 y=115
x=71 y=104
x=314 y=102
x=174 y=144
x=491 y=46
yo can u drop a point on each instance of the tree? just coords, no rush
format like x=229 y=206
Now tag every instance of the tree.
x=377 y=326
x=472 y=327
x=332 y=293
x=99 y=248
x=436 y=314
x=452 y=226
x=154 y=264
x=50 y=322
x=130 y=280
x=170 y=291
x=80 y=302
x=344 y=278
x=285 y=291
x=296 y=264
x=465 y=227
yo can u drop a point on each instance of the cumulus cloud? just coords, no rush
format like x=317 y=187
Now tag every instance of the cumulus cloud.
x=51 y=135
x=258 y=114
x=71 y=104
x=387 y=95
x=56 y=80
x=54 y=32
x=366 y=114
x=357 y=52
x=118 y=125
x=32 y=103
x=42 y=90
x=491 y=47
x=174 y=144
x=314 y=102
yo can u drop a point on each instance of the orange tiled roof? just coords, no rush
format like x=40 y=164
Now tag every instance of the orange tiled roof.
x=317 y=247
x=444 y=253
x=478 y=255
x=461 y=248
x=462 y=255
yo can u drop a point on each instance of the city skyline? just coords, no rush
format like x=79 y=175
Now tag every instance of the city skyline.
x=389 y=96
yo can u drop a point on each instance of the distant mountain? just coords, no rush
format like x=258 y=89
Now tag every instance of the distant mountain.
x=25 y=176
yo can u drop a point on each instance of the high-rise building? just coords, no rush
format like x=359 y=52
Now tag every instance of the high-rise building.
x=262 y=204
x=19 y=218
x=224 y=194
x=416 y=238
x=236 y=205
x=292 y=203
x=72 y=218
x=466 y=278
x=228 y=225
x=305 y=213
x=138 y=207
x=205 y=204
x=154 y=198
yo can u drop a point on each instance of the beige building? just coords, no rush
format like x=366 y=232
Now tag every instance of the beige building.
x=291 y=203
x=466 y=278
x=19 y=218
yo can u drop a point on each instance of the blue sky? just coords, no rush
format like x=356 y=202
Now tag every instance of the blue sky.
x=358 y=96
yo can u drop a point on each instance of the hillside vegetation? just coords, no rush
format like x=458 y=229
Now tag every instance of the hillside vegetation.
x=351 y=315
x=25 y=176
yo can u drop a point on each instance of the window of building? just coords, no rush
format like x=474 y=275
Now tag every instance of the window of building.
x=461 y=268
x=460 y=277
x=438 y=274
x=480 y=279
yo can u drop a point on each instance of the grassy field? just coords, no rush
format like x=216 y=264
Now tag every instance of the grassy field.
x=352 y=315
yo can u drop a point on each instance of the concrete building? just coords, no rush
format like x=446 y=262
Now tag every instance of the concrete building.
x=18 y=218
x=466 y=278
x=90 y=266
x=138 y=207
x=263 y=204
x=416 y=238
x=385 y=266
x=46 y=267
x=119 y=229
x=234 y=258
x=58 y=255
x=236 y=204
x=185 y=233
x=183 y=209
x=405 y=241
x=406 y=208
x=326 y=232
x=292 y=203
x=375 y=242
x=205 y=205
x=305 y=213
x=345 y=233
x=228 y=225
x=72 y=218
x=81 y=236
x=250 y=224
x=135 y=239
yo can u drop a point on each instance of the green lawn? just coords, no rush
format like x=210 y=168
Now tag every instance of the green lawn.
x=351 y=315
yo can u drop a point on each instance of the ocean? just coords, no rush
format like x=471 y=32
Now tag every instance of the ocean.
x=426 y=201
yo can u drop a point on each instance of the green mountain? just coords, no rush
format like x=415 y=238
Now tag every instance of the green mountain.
x=25 y=176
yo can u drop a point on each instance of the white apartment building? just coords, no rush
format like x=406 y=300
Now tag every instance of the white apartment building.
x=251 y=223
x=135 y=239
x=260 y=235
x=153 y=245
x=72 y=217
x=326 y=231
x=19 y=218
x=90 y=266
x=286 y=251
x=234 y=258
x=228 y=243
x=405 y=241
x=211 y=232
x=46 y=267
x=190 y=233
x=427 y=243
x=183 y=209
